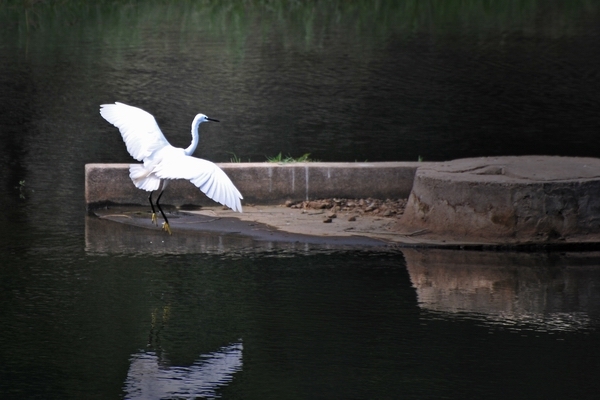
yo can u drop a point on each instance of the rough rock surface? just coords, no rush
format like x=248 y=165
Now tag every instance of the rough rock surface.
x=532 y=198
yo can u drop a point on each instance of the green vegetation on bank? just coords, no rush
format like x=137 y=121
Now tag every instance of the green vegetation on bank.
x=289 y=159
x=310 y=20
x=279 y=158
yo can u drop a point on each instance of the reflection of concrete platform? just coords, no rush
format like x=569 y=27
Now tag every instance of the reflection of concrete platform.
x=547 y=290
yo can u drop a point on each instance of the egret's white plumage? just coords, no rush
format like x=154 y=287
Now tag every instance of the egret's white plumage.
x=161 y=161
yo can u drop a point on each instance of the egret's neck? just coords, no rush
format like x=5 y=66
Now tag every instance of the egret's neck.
x=195 y=137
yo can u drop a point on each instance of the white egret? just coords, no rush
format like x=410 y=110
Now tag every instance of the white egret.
x=161 y=161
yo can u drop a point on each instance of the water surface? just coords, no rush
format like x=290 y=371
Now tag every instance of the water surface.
x=89 y=313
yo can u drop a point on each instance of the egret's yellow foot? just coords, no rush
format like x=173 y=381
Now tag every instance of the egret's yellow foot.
x=154 y=219
x=166 y=227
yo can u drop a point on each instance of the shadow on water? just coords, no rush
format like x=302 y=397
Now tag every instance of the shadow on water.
x=129 y=230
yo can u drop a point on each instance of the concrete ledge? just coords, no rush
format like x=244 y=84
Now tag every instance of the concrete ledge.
x=498 y=202
x=263 y=183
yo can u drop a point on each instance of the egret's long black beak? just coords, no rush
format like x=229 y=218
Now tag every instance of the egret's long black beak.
x=212 y=119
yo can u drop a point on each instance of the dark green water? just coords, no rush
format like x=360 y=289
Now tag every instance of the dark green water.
x=87 y=312
x=82 y=324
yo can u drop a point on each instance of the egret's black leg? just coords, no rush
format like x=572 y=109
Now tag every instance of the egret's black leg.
x=153 y=211
x=165 y=226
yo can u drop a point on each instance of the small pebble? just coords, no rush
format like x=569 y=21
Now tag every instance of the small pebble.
x=327 y=220
x=352 y=218
x=317 y=205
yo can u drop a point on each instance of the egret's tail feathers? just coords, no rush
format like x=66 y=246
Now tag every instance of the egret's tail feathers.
x=143 y=178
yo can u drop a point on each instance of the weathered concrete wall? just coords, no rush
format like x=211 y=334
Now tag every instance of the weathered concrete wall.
x=264 y=183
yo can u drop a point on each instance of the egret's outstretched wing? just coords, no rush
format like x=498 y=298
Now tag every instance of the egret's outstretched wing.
x=139 y=129
x=206 y=175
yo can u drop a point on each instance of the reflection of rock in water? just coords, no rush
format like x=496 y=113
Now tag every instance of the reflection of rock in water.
x=147 y=379
x=553 y=291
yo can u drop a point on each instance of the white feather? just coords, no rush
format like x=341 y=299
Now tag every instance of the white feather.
x=145 y=142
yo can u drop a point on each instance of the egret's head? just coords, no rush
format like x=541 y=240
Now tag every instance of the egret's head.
x=203 y=118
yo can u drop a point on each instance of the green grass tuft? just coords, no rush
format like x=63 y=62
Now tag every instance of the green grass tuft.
x=279 y=158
